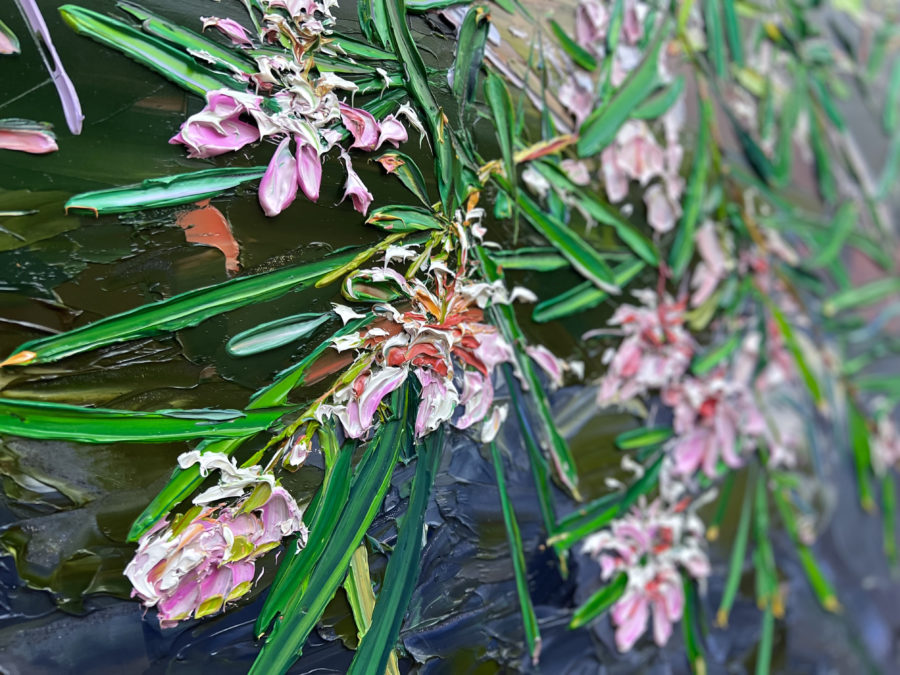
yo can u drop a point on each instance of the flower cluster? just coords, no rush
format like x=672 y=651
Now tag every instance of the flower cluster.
x=287 y=102
x=436 y=331
x=652 y=545
x=206 y=557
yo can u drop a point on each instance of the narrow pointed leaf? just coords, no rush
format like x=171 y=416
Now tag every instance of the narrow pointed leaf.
x=38 y=419
x=602 y=212
x=552 y=441
x=601 y=126
x=860 y=296
x=156 y=54
x=738 y=555
x=576 y=52
x=514 y=538
x=535 y=259
x=683 y=246
x=469 y=53
x=178 y=312
x=377 y=644
x=706 y=362
x=408 y=172
x=273 y=334
x=583 y=257
x=295 y=569
x=155 y=193
x=187 y=39
x=367 y=491
x=584 y=296
x=643 y=438
x=600 y=601
x=397 y=218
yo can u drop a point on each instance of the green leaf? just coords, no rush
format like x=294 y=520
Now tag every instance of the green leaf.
x=408 y=173
x=408 y=55
x=889 y=509
x=403 y=565
x=643 y=438
x=396 y=218
x=583 y=257
x=294 y=570
x=273 y=334
x=860 y=296
x=656 y=106
x=840 y=229
x=578 y=54
x=764 y=651
x=738 y=555
x=584 y=296
x=155 y=193
x=147 y=50
x=357 y=49
x=733 y=32
x=817 y=136
x=683 y=246
x=470 y=53
x=540 y=469
x=862 y=455
x=187 y=39
x=706 y=362
x=175 y=313
x=892 y=100
x=514 y=538
x=530 y=258
x=601 y=126
x=505 y=319
x=602 y=212
x=715 y=40
x=690 y=629
x=370 y=484
x=500 y=102
x=38 y=419
x=600 y=601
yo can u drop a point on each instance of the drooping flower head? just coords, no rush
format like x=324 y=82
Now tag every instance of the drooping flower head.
x=652 y=545
x=199 y=561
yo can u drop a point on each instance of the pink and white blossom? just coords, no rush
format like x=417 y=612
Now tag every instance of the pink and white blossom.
x=652 y=545
x=205 y=558
x=362 y=126
x=656 y=351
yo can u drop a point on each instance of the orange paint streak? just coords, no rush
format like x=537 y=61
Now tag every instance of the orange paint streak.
x=208 y=226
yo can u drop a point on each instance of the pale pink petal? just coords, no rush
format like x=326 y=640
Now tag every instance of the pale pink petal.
x=278 y=186
x=355 y=188
x=309 y=168
x=633 y=624
x=379 y=385
x=229 y=28
x=392 y=131
x=361 y=125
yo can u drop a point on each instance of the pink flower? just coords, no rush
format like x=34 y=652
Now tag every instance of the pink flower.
x=555 y=367
x=355 y=405
x=635 y=155
x=229 y=28
x=205 y=558
x=309 y=167
x=437 y=401
x=278 y=186
x=392 y=131
x=656 y=351
x=661 y=211
x=218 y=128
x=355 y=188
x=715 y=418
x=651 y=545
x=591 y=23
x=362 y=126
